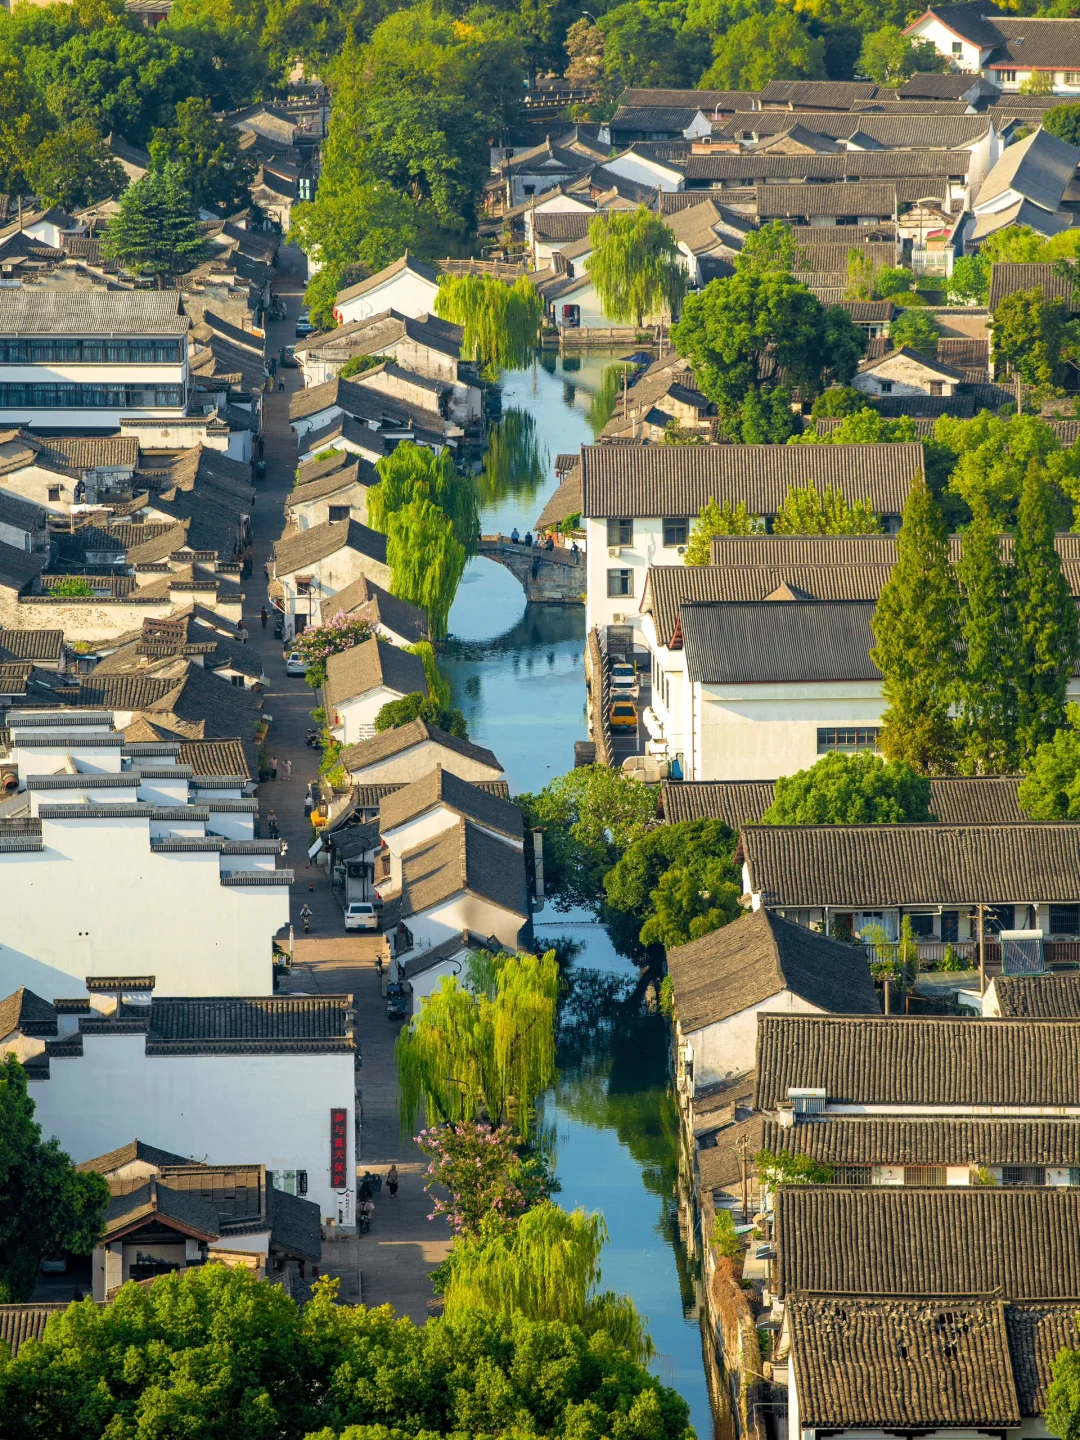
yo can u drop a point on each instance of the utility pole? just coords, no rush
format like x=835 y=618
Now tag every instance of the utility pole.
x=743 y=1145
x=1019 y=398
x=982 y=949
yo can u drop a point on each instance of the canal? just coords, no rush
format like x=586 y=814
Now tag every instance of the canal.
x=517 y=674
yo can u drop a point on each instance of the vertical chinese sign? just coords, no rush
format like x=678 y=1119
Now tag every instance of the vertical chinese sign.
x=339 y=1149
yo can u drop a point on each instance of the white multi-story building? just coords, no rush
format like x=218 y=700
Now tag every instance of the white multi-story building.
x=128 y=864
x=86 y=361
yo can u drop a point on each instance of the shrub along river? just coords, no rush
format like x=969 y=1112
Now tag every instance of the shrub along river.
x=517 y=674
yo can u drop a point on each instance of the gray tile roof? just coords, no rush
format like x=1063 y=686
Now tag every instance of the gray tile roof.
x=25 y=1011
x=954 y=800
x=669 y=586
x=372 y=663
x=132 y=1151
x=778 y=641
x=404 y=737
x=370 y=601
x=1038 y=997
x=826 y=94
x=108 y=312
x=1037 y=1336
x=18 y=568
x=443 y=787
x=755 y=957
x=780 y=201
x=653 y=119
x=957 y=1241
x=700 y=99
x=357 y=400
x=396 y=267
x=941 y=87
x=866 y=867
x=884 y=1364
x=561 y=224
x=252 y=1025
x=1039 y=167
x=893 y=132
x=463 y=857
x=1007 y=278
x=306 y=547
x=360 y=471
x=226 y=756
x=19 y=1323
x=677 y=480
x=908 y=1062
x=1042 y=43
x=977 y=23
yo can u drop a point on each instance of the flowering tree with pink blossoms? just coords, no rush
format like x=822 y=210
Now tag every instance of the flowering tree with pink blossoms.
x=317 y=644
x=488 y=1176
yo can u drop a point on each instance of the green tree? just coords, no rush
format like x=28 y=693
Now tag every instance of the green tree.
x=739 y=330
x=717 y=519
x=783 y=1168
x=155 y=231
x=427 y=560
x=358 y=364
x=863 y=427
x=969 y=283
x=649 y=45
x=396 y=713
x=484 y=1054
x=73 y=587
x=589 y=817
x=634 y=265
x=1062 y=1415
x=547 y=1268
x=209 y=162
x=694 y=897
x=763 y=417
x=1064 y=122
x=412 y=473
x=1051 y=786
x=1016 y=243
x=676 y=882
x=889 y=56
x=482 y=1179
x=1034 y=338
x=893 y=282
x=1039 y=82
x=917 y=329
x=231 y=65
x=74 y=167
x=850 y=790
x=992 y=455
x=501 y=322
x=46 y=1205
x=986 y=689
x=772 y=247
x=916 y=631
x=761 y=48
x=1047 y=640
x=808 y=511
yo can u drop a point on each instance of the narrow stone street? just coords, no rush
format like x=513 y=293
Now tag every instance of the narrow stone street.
x=403 y=1244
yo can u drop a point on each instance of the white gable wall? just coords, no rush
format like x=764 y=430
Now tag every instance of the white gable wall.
x=406 y=292
x=729 y=1047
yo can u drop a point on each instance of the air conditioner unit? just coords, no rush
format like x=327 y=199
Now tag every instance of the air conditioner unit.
x=614 y=551
x=618 y=618
x=682 y=549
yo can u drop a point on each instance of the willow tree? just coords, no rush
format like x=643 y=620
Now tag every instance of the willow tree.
x=482 y=1054
x=547 y=1267
x=427 y=560
x=634 y=265
x=501 y=322
x=412 y=472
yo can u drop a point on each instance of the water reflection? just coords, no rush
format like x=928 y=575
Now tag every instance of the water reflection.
x=515 y=463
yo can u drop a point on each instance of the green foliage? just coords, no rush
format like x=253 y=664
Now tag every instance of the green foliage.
x=438 y=685
x=1047 y=639
x=634 y=265
x=396 y=713
x=482 y=1179
x=1034 y=338
x=546 y=1268
x=783 y=1168
x=1037 y=83
x=1064 y=122
x=155 y=231
x=737 y=331
x=478 y=1055
x=501 y=322
x=74 y=167
x=761 y=48
x=969 y=283
x=46 y=1205
x=589 y=816
x=318 y=642
x=770 y=248
x=992 y=456
x=1051 y=786
x=838 y=401
x=889 y=56
x=807 y=511
x=1062 y=1415
x=862 y=427
x=892 y=282
x=717 y=519
x=358 y=364
x=647 y=44
x=762 y=417
x=216 y=1354
x=209 y=162
x=680 y=881
x=412 y=473
x=986 y=686
x=915 y=628
x=851 y=790
x=1015 y=243
x=73 y=587
x=427 y=560
x=725 y=1240
x=917 y=329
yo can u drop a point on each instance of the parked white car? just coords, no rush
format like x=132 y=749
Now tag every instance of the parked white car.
x=295 y=664
x=624 y=680
x=361 y=915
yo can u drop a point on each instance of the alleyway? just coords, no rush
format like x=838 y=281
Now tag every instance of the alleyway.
x=403 y=1244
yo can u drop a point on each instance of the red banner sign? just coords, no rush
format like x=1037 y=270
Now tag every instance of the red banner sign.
x=339 y=1149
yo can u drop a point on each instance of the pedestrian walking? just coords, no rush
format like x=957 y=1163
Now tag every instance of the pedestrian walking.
x=286 y=766
x=273 y=767
x=307 y=807
x=264 y=617
x=243 y=633
x=392 y=1181
x=281 y=383
x=272 y=821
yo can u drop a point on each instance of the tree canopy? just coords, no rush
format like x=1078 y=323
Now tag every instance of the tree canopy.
x=155 y=231
x=501 y=322
x=678 y=881
x=1050 y=789
x=209 y=162
x=862 y=789
x=634 y=265
x=73 y=167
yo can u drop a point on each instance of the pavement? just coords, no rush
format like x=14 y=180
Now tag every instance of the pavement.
x=393 y=1261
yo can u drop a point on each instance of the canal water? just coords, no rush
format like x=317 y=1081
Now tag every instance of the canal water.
x=517 y=674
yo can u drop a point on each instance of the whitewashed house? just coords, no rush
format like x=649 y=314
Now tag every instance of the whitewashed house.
x=361 y=680
x=1004 y=48
x=406 y=285
x=312 y=566
x=412 y=751
x=340 y=494
x=907 y=372
x=1033 y=183
x=393 y=619
x=201 y=1075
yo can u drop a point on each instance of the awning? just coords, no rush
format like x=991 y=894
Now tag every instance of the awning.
x=313 y=850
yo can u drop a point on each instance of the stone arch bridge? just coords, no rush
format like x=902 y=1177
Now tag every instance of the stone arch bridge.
x=547 y=576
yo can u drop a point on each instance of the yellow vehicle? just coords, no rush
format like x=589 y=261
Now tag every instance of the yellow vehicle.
x=623 y=715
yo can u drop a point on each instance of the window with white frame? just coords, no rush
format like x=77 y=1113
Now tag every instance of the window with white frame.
x=1072 y=77
x=620 y=582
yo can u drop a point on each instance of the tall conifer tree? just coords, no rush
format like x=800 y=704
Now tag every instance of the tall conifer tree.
x=986 y=692
x=1047 y=639
x=155 y=231
x=915 y=628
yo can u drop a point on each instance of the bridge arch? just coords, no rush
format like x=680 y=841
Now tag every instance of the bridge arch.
x=547 y=576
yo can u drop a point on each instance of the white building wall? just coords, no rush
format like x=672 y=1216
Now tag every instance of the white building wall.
x=463 y=912
x=961 y=54
x=730 y=1046
x=420 y=760
x=353 y=718
x=646 y=548
x=407 y=293
x=219 y=1108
